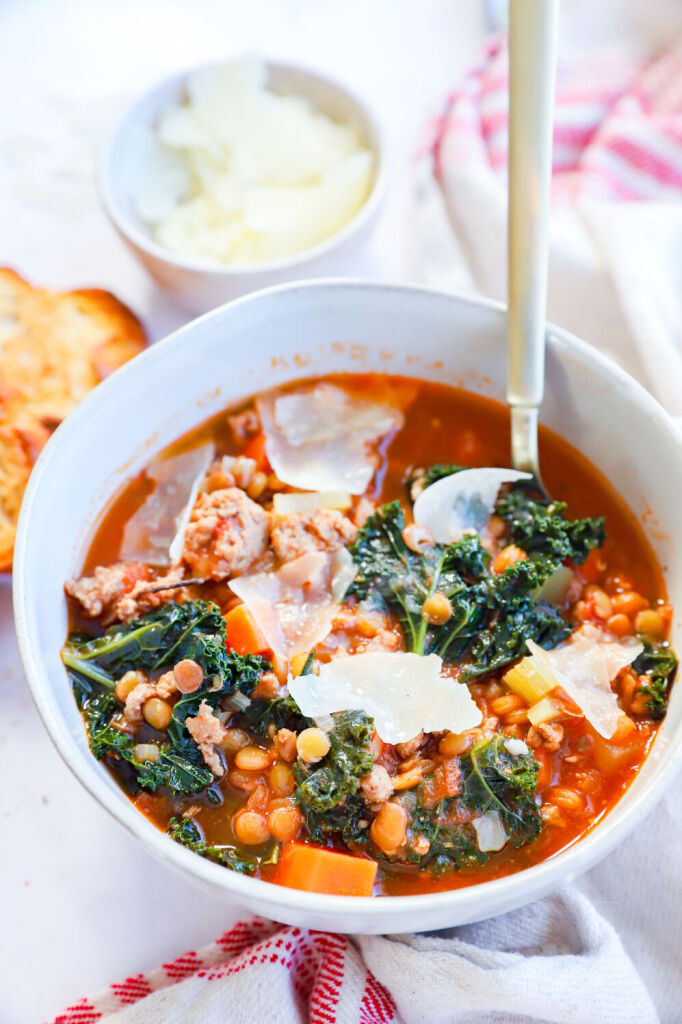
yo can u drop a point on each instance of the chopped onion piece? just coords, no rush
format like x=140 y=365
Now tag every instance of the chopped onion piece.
x=319 y=438
x=156 y=531
x=311 y=501
x=403 y=693
x=584 y=668
x=490 y=833
x=294 y=606
x=462 y=503
x=516 y=747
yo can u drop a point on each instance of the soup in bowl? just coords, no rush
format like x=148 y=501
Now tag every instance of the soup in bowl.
x=325 y=645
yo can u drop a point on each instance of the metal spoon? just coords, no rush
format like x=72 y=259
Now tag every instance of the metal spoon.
x=532 y=65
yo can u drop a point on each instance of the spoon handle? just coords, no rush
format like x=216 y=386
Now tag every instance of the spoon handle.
x=532 y=64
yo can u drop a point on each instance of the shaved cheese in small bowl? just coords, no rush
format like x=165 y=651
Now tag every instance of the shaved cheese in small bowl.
x=155 y=532
x=293 y=504
x=584 y=668
x=319 y=439
x=404 y=693
x=239 y=174
x=462 y=503
x=294 y=606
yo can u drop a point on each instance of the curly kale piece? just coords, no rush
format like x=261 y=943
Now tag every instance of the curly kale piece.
x=186 y=832
x=166 y=635
x=659 y=663
x=514 y=616
x=540 y=527
x=492 y=615
x=391 y=573
x=495 y=780
x=326 y=791
x=157 y=641
x=183 y=773
x=282 y=712
x=452 y=843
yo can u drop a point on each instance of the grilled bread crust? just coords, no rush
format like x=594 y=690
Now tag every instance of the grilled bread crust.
x=55 y=347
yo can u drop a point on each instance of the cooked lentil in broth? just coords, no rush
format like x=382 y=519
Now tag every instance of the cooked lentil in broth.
x=257 y=785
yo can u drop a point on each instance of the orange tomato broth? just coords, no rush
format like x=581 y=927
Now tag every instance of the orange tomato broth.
x=447 y=424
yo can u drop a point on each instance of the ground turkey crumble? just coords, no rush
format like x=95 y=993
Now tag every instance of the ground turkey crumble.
x=207 y=731
x=226 y=533
x=324 y=530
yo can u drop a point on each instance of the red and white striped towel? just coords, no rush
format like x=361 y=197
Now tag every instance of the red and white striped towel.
x=617 y=133
x=548 y=964
x=616 y=226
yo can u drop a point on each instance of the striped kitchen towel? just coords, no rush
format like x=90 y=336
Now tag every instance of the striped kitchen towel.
x=555 y=962
x=616 y=223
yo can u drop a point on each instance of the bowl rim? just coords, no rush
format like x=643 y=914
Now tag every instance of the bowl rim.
x=506 y=893
x=109 y=190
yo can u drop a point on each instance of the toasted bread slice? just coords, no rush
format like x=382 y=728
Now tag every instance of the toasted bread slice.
x=55 y=347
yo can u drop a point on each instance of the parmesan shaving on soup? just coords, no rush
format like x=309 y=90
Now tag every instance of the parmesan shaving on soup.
x=319 y=439
x=462 y=503
x=238 y=174
x=403 y=693
x=155 y=532
x=294 y=606
x=584 y=668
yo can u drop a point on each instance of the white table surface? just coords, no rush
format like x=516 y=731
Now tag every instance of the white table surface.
x=82 y=905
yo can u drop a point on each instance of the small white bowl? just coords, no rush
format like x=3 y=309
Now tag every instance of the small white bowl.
x=259 y=342
x=200 y=285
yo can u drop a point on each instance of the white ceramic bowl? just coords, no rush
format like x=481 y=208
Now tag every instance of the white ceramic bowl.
x=200 y=285
x=261 y=341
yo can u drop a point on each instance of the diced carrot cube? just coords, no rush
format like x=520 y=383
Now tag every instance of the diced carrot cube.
x=313 y=869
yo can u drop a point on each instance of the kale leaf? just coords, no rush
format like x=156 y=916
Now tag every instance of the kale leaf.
x=326 y=791
x=183 y=773
x=659 y=663
x=495 y=780
x=514 y=617
x=186 y=832
x=157 y=641
x=166 y=635
x=282 y=712
x=452 y=843
x=492 y=615
x=540 y=527
x=388 y=571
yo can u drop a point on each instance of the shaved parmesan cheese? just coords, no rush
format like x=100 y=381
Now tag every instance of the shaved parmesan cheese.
x=403 y=693
x=343 y=573
x=554 y=589
x=462 y=503
x=155 y=533
x=490 y=833
x=294 y=606
x=584 y=668
x=246 y=175
x=318 y=438
x=291 y=504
